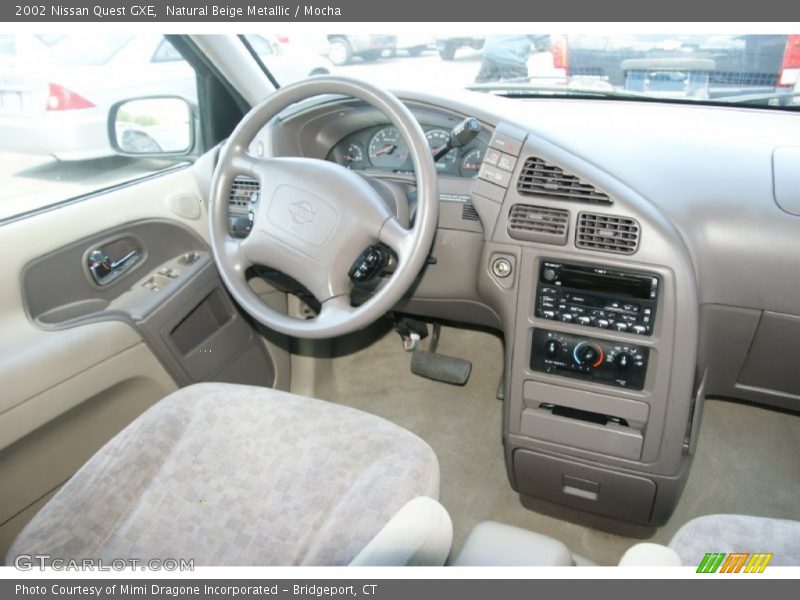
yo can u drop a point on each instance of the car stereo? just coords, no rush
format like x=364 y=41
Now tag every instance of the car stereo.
x=597 y=297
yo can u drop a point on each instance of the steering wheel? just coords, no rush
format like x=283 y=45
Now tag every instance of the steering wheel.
x=315 y=218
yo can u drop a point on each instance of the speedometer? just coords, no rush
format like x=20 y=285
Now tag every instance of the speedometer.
x=437 y=140
x=387 y=149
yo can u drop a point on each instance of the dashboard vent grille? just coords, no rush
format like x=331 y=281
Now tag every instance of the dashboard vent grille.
x=468 y=212
x=241 y=194
x=544 y=179
x=607 y=233
x=242 y=201
x=538 y=224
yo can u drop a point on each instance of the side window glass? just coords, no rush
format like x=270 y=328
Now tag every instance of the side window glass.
x=56 y=94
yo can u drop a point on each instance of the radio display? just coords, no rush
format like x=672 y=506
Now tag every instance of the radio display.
x=617 y=285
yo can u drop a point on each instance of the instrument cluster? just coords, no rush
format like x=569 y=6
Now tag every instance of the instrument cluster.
x=384 y=149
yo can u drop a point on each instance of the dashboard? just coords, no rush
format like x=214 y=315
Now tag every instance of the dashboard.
x=383 y=148
x=634 y=257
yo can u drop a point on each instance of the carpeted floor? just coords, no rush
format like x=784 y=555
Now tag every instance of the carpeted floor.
x=748 y=458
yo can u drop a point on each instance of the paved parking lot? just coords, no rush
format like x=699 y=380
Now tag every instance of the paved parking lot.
x=28 y=182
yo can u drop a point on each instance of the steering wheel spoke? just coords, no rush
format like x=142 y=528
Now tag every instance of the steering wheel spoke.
x=242 y=163
x=336 y=309
x=394 y=235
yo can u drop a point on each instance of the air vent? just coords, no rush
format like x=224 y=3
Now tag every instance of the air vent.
x=538 y=224
x=544 y=179
x=242 y=201
x=468 y=212
x=241 y=194
x=607 y=233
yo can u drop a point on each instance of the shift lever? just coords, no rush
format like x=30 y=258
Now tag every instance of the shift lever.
x=461 y=135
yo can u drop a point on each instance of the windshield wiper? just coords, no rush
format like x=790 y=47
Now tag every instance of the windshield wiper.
x=527 y=86
x=759 y=98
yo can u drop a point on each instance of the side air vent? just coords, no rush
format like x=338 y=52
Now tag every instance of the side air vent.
x=242 y=200
x=607 y=233
x=544 y=179
x=538 y=224
x=468 y=212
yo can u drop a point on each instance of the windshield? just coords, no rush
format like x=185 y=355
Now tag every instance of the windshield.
x=74 y=49
x=758 y=69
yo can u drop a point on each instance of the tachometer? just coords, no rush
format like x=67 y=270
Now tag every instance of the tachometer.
x=387 y=149
x=471 y=163
x=437 y=140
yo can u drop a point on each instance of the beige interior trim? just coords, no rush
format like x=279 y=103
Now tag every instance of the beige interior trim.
x=135 y=362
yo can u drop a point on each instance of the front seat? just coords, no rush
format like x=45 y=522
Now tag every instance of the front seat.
x=237 y=475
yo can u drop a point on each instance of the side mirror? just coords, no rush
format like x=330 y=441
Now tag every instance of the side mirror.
x=156 y=126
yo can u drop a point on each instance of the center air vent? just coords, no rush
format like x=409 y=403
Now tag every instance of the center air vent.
x=242 y=201
x=544 y=179
x=538 y=224
x=607 y=233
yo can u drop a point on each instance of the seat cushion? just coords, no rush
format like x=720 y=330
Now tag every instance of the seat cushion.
x=236 y=475
x=738 y=533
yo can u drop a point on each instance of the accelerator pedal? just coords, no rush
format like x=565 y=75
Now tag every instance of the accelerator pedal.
x=439 y=367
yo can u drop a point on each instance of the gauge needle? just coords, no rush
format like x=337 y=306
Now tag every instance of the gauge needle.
x=388 y=149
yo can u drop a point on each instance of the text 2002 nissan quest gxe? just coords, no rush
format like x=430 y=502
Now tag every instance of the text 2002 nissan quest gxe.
x=547 y=320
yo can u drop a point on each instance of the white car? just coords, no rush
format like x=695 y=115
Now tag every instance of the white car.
x=59 y=106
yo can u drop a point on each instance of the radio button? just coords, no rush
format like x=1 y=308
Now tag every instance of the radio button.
x=631 y=307
x=604 y=323
x=548 y=314
x=566 y=317
x=584 y=320
x=619 y=326
x=640 y=329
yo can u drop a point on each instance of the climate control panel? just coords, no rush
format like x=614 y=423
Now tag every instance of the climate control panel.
x=611 y=363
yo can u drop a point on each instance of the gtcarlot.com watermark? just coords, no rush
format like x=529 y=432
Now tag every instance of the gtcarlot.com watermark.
x=29 y=562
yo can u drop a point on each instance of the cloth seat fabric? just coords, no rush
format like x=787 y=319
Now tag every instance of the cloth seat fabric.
x=738 y=533
x=237 y=475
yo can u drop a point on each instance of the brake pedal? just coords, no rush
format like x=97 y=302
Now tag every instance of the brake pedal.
x=439 y=367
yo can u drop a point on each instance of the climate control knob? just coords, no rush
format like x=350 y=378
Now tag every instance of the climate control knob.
x=552 y=348
x=588 y=354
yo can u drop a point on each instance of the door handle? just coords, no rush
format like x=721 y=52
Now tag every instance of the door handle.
x=130 y=257
x=104 y=270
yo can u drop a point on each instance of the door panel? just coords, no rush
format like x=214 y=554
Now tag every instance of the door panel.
x=70 y=385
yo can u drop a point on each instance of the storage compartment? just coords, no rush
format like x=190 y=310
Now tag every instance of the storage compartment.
x=586 y=420
x=589 y=431
x=599 y=491
x=200 y=324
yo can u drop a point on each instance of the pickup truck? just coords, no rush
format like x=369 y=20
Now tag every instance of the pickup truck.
x=712 y=65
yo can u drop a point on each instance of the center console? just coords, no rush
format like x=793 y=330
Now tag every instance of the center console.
x=599 y=306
